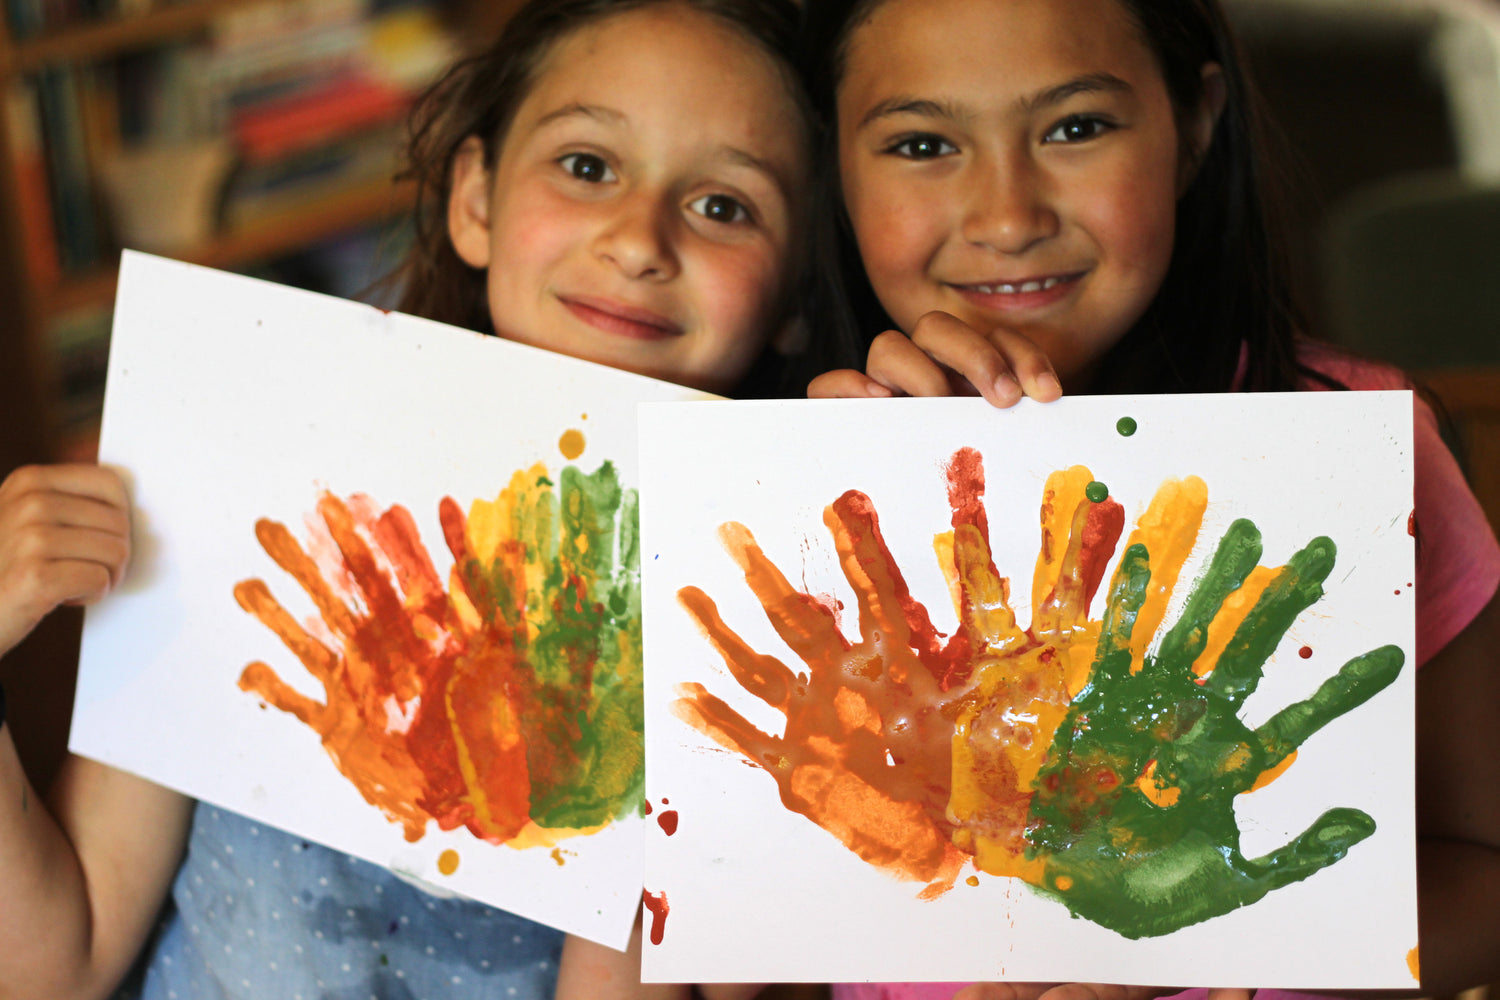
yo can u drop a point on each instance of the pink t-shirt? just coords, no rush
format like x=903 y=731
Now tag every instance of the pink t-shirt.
x=1458 y=570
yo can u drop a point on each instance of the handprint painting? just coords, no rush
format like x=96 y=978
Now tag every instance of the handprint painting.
x=507 y=702
x=385 y=593
x=1091 y=749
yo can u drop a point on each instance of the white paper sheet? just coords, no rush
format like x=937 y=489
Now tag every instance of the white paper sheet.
x=759 y=878
x=232 y=400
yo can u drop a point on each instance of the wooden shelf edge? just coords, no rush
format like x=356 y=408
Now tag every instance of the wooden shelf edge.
x=95 y=38
x=281 y=233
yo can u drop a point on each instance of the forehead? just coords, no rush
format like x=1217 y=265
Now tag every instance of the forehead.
x=993 y=47
x=666 y=59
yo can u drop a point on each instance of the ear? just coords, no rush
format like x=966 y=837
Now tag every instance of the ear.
x=1199 y=129
x=469 y=204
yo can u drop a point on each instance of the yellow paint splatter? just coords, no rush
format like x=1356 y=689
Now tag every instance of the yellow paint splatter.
x=1270 y=774
x=972 y=880
x=448 y=861
x=1414 y=965
x=571 y=444
x=560 y=856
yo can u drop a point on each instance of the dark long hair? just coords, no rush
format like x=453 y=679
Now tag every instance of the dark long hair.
x=479 y=96
x=1228 y=282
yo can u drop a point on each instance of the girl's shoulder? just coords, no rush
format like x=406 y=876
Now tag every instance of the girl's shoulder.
x=1346 y=368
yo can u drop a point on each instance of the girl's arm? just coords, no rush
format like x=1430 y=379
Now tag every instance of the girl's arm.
x=84 y=874
x=1458 y=809
x=946 y=357
x=590 y=971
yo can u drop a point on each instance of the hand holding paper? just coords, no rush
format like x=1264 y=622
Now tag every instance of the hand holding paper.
x=64 y=539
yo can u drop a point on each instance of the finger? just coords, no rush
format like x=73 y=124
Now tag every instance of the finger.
x=1239 y=668
x=1237 y=554
x=1320 y=845
x=287 y=553
x=255 y=597
x=973 y=359
x=847 y=383
x=1003 y=991
x=50 y=507
x=260 y=680
x=761 y=674
x=803 y=624
x=713 y=717
x=1028 y=364
x=95 y=482
x=1357 y=681
x=1228 y=994
x=1101 y=991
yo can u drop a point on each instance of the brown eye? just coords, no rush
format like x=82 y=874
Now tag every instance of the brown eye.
x=923 y=147
x=587 y=167
x=1078 y=128
x=720 y=208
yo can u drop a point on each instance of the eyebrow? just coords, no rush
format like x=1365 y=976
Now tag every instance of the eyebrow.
x=1089 y=83
x=595 y=111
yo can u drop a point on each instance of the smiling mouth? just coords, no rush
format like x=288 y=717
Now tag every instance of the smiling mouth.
x=1023 y=287
x=621 y=320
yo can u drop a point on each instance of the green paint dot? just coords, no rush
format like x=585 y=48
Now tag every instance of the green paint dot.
x=1126 y=426
x=1097 y=492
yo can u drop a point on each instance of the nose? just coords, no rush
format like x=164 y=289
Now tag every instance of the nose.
x=1009 y=206
x=637 y=236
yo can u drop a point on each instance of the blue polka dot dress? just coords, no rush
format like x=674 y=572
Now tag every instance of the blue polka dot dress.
x=257 y=913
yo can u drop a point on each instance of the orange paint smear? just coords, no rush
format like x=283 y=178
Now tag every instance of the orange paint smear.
x=1168 y=530
x=656 y=902
x=447 y=862
x=1414 y=964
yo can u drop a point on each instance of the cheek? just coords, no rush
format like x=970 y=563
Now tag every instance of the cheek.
x=531 y=233
x=897 y=233
x=739 y=293
x=1139 y=216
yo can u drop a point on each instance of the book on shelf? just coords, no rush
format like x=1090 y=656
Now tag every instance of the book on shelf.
x=38 y=234
x=74 y=209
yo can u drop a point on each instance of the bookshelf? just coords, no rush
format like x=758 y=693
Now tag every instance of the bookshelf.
x=71 y=111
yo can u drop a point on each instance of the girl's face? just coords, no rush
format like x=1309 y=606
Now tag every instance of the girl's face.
x=644 y=206
x=1015 y=163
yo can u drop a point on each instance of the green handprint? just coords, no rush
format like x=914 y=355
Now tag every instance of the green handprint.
x=1133 y=813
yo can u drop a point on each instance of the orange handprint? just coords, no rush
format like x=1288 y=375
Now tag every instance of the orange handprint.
x=509 y=701
x=877 y=729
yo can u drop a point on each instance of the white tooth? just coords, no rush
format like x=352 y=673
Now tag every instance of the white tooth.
x=1050 y=283
x=1008 y=289
x=1032 y=286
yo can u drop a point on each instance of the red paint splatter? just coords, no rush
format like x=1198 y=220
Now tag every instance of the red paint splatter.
x=648 y=807
x=1305 y=652
x=668 y=822
x=657 y=904
x=1411 y=524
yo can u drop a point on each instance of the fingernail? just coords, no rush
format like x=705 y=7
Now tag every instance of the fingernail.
x=1048 y=385
x=1007 y=390
x=877 y=391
